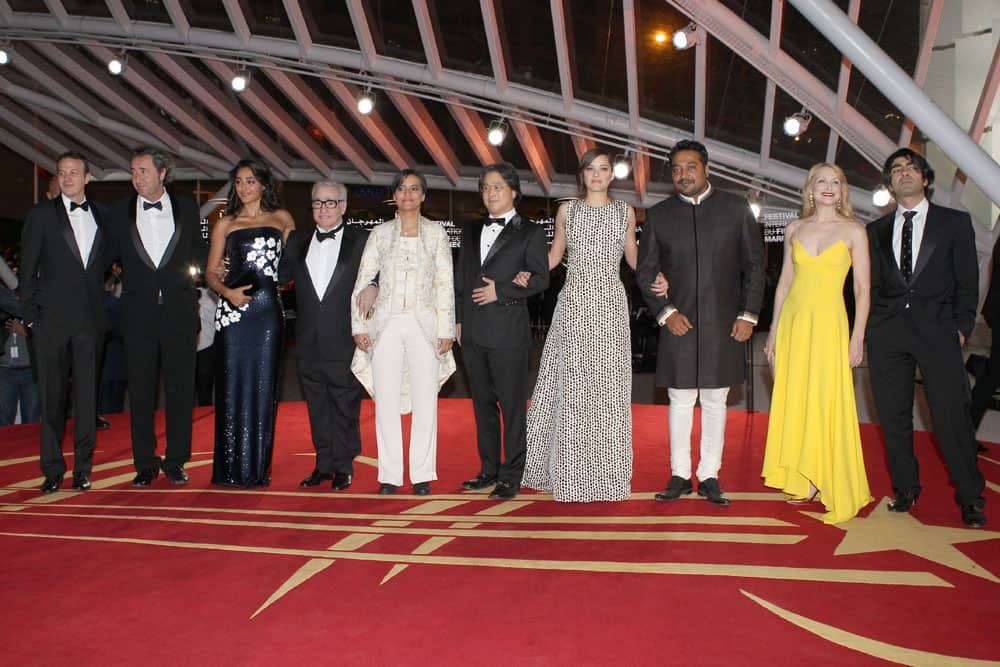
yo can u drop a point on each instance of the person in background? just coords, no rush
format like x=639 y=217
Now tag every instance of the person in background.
x=18 y=389
x=988 y=382
x=114 y=373
x=204 y=369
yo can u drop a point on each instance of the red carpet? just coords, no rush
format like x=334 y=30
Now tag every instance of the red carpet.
x=199 y=575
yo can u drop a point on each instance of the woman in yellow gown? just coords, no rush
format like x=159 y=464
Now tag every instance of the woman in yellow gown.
x=813 y=441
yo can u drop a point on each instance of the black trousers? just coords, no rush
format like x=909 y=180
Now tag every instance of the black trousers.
x=498 y=379
x=204 y=375
x=160 y=348
x=333 y=398
x=59 y=355
x=986 y=384
x=895 y=349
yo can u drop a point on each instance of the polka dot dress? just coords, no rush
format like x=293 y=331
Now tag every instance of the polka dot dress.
x=580 y=419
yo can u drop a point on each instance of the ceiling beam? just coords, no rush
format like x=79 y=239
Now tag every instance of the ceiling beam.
x=428 y=36
x=640 y=176
x=979 y=118
x=58 y=11
x=923 y=60
x=177 y=17
x=238 y=20
x=35 y=128
x=561 y=33
x=492 y=27
x=225 y=109
x=300 y=28
x=534 y=149
x=363 y=31
x=17 y=144
x=373 y=124
x=631 y=62
x=160 y=94
x=118 y=13
x=773 y=47
x=271 y=112
x=700 y=83
x=793 y=77
x=472 y=126
x=324 y=118
x=843 y=85
x=582 y=141
x=419 y=118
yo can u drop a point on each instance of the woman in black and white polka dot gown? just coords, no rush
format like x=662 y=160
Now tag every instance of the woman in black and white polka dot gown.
x=580 y=418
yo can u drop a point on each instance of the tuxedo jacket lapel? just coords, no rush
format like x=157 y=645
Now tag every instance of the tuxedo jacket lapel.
x=508 y=232
x=885 y=247
x=66 y=230
x=346 y=244
x=97 y=248
x=933 y=231
x=133 y=229
x=175 y=237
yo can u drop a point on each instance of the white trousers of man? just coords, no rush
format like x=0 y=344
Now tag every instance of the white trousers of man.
x=713 y=430
x=403 y=343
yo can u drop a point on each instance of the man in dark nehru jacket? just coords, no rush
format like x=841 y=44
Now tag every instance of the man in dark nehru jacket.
x=924 y=286
x=63 y=257
x=324 y=263
x=493 y=326
x=707 y=244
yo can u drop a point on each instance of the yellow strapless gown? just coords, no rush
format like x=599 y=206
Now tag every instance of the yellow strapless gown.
x=813 y=435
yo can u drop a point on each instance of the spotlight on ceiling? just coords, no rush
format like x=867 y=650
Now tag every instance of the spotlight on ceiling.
x=623 y=166
x=4 y=54
x=881 y=197
x=796 y=124
x=240 y=80
x=660 y=37
x=497 y=132
x=117 y=64
x=366 y=102
x=686 y=37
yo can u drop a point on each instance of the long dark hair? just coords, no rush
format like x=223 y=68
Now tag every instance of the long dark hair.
x=585 y=160
x=270 y=198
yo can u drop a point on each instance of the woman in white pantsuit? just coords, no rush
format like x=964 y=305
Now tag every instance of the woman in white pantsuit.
x=404 y=346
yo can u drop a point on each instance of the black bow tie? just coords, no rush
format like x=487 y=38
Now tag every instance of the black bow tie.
x=85 y=205
x=332 y=234
x=146 y=205
x=498 y=221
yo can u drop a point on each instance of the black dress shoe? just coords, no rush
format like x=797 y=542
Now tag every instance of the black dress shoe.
x=341 y=481
x=315 y=477
x=980 y=447
x=81 y=481
x=504 y=491
x=676 y=487
x=973 y=516
x=422 y=488
x=386 y=489
x=51 y=484
x=145 y=477
x=709 y=488
x=102 y=423
x=175 y=473
x=480 y=481
x=903 y=501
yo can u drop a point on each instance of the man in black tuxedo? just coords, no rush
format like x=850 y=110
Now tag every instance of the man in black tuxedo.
x=324 y=265
x=493 y=326
x=161 y=248
x=63 y=257
x=924 y=288
x=987 y=383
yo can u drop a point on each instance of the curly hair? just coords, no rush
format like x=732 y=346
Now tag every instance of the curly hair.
x=270 y=198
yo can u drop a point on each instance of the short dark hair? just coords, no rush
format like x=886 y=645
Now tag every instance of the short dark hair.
x=917 y=160
x=160 y=159
x=585 y=161
x=270 y=197
x=75 y=155
x=508 y=173
x=690 y=145
x=401 y=175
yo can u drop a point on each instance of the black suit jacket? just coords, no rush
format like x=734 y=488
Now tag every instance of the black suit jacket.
x=143 y=282
x=991 y=307
x=505 y=322
x=61 y=291
x=323 y=326
x=944 y=288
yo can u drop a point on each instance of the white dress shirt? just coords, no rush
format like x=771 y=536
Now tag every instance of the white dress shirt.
x=321 y=260
x=84 y=229
x=490 y=234
x=919 y=222
x=155 y=226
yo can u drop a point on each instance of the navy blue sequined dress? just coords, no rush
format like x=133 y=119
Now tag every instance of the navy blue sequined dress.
x=248 y=343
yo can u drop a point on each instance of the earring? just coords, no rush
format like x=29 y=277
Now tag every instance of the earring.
x=811 y=200
x=838 y=205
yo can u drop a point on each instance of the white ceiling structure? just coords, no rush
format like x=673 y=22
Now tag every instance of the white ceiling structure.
x=561 y=74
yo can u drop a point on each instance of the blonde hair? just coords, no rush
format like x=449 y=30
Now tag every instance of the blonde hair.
x=843 y=206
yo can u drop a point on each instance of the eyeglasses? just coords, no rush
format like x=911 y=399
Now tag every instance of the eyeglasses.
x=327 y=203
x=493 y=187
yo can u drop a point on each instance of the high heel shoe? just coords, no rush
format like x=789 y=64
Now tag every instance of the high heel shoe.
x=812 y=498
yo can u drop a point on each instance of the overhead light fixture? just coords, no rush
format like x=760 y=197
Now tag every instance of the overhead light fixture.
x=240 y=80
x=796 y=124
x=366 y=102
x=117 y=64
x=686 y=37
x=623 y=166
x=497 y=132
x=4 y=54
x=881 y=197
x=660 y=37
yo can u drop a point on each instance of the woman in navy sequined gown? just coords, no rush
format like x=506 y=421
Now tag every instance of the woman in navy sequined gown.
x=248 y=325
